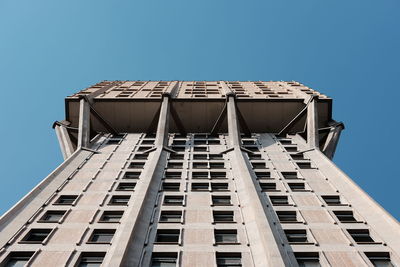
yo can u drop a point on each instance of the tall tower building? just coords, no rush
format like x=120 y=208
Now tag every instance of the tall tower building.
x=198 y=174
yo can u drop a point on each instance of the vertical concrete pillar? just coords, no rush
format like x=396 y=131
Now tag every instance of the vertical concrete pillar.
x=312 y=124
x=84 y=124
x=332 y=140
x=64 y=141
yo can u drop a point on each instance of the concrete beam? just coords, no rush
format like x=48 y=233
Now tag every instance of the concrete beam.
x=84 y=124
x=64 y=140
x=332 y=140
x=312 y=124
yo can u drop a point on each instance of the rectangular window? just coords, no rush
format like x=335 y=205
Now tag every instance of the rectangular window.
x=254 y=156
x=228 y=259
x=225 y=236
x=223 y=216
x=170 y=186
x=265 y=187
x=287 y=216
x=131 y=175
x=103 y=236
x=218 y=175
x=173 y=200
x=285 y=142
x=307 y=259
x=221 y=200
x=119 y=200
x=175 y=165
x=136 y=165
x=126 y=186
x=179 y=142
x=381 y=259
x=361 y=236
x=304 y=165
x=171 y=216
x=214 y=142
x=217 y=165
x=219 y=186
x=200 y=142
x=144 y=148
x=173 y=175
x=113 y=141
x=290 y=175
x=148 y=142
x=216 y=156
x=199 y=156
x=178 y=148
x=167 y=236
x=164 y=259
x=20 y=258
x=279 y=200
x=200 y=165
x=251 y=148
x=296 y=236
x=297 y=156
x=291 y=148
x=176 y=156
x=36 y=235
x=140 y=156
x=200 y=175
x=91 y=259
x=111 y=216
x=263 y=175
x=66 y=200
x=248 y=142
x=258 y=165
x=52 y=216
x=332 y=200
x=345 y=216
x=200 y=186
x=297 y=186
x=200 y=149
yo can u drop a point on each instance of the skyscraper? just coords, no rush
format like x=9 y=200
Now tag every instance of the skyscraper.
x=186 y=173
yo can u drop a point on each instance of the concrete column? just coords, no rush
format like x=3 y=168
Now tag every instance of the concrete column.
x=332 y=140
x=312 y=124
x=84 y=124
x=129 y=241
x=65 y=142
x=264 y=241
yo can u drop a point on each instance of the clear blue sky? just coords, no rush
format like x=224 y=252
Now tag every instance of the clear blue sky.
x=349 y=50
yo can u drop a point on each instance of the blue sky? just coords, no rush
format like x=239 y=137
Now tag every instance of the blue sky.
x=348 y=50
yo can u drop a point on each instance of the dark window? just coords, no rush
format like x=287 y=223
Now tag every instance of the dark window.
x=218 y=175
x=170 y=186
x=52 y=216
x=219 y=186
x=176 y=156
x=291 y=148
x=102 y=236
x=200 y=186
x=214 y=142
x=178 y=148
x=297 y=186
x=217 y=165
x=268 y=187
x=111 y=216
x=221 y=200
x=113 y=141
x=175 y=165
x=136 y=165
x=126 y=186
x=263 y=175
x=304 y=165
x=173 y=175
x=199 y=156
x=200 y=148
x=167 y=236
x=254 y=156
x=296 y=236
x=164 y=259
x=215 y=156
x=223 y=216
x=379 y=259
x=279 y=200
x=225 y=236
x=91 y=259
x=119 y=200
x=36 y=235
x=248 y=142
x=141 y=156
x=144 y=148
x=345 y=216
x=307 y=259
x=297 y=156
x=18 y=259
x=66 y=200
x=289 y=175
x=171 y=216
x=200 y=142
x=252 y=148
x=173 y=200
x=179 y=142
x=258 y=165
x=332 y=200
x=200 y=175
x=200 y=136
x=148 y=142
x=360 y=236
x=131 y=175
x=287 y=216
x=228 y=259
x=286 y=142
x=200 y=165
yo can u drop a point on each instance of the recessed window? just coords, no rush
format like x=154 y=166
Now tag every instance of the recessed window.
x=218 y=175
x=297 y=156
x=164 y=259
x=290 y=175
x=297 y=186
x=176 y=156
x=307 y=259
x=103 y=236
x=345 y=216
x=16 y=259
x=361 y=236
x=91 y=259
x=136 y=165
x=119 y=200
x=223 y=216
x=254 y=156
x=332 y=200
x=52 y=216
x=304 y=165
x=228 y=259
x=144 y=148
x=265 y=187
x=36 y=235
x=263 y=175
x=251 y=148
x=200 y=142
x=173 y=175
x=248 y=142
x=179 y=142
x=131 y=175
x=221 y=200
x=215 y=156
x=140 y=156
x=66 y=200
x=200 y=186
x=175 y=165
x=178 y=148
x=199 y=156
x=200 y=175
x=170 y=186
x=126 y=186
x=200 y=149
x=167 y=236
x=279 y=200
x=258 y=165
x=200 y=165
x=291 y=148
x=111 y=216
x=225 y=236
x=148 y=142
x=287 y=216
x=219 y=186
x=379 y=259
x=113 y=141
x=285 y=142
x=214 y=142
x=171 y=216
x=296 y=236
x=217 y=165
x=173 y=200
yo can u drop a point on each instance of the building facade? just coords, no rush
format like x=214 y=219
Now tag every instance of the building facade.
x=194 y=174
